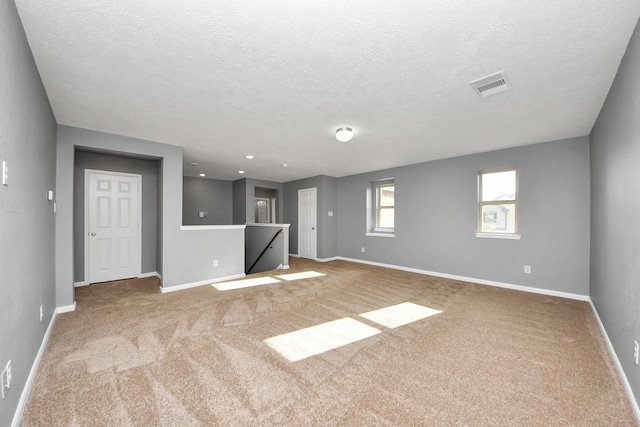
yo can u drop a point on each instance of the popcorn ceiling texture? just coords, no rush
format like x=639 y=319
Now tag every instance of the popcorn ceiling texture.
x=275 y=79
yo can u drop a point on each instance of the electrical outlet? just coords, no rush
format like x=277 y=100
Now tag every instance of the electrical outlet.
x=5 y=379
x=362 y=249
x=215 y=262
x=41 y=312
x=527 y=269
x=636 y=351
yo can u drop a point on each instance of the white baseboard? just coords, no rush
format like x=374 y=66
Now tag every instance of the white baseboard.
x=141 y=276
x=66 y=308
x=474 y=280
x=335 y=258
x=294 y=255
x=150 y=274
x=616 y=361
x=283 y=267
x=165 y=290
x=24 y=397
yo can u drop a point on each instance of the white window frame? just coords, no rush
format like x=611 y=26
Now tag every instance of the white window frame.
x=498 y=234
x=374 y=210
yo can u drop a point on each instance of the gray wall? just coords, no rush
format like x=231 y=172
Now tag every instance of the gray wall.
x=327 y=227
x=265 y=193
x=615 y=227
x=103 y=161
x=244 y=203
x=187 y=255
x=208 y=195
x=251 y=197
x=27 y=143
x=239 y=189
x=436 y=218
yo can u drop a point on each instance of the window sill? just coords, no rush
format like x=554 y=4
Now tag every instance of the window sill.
x=499 y=236
x=380 y=234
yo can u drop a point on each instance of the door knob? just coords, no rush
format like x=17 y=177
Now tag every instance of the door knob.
x=313 y=228
x=93 y=234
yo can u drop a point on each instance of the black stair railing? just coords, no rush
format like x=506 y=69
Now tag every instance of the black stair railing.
x=264 y=250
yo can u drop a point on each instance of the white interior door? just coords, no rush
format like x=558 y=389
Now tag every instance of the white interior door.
x=307 y=223
x=112 y=205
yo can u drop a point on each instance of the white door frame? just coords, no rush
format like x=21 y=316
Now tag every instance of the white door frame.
x=87 y=188
x=315 y=249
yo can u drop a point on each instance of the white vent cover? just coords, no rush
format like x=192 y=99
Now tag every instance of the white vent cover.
x=491 y=85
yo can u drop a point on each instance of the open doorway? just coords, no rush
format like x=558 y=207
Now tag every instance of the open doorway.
x=265 y=205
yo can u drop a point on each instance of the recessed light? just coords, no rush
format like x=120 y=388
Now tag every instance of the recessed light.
x=249 y=156
x=193 y=163
x=285 y=165
x=240 y=171
x=202 y=174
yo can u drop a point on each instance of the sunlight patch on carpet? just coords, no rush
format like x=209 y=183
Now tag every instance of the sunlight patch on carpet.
x=244 y=283
x=400 y=314
x=307 y=342
x=298 y=276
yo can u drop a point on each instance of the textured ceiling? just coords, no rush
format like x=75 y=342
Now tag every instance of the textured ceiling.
x=275 y=79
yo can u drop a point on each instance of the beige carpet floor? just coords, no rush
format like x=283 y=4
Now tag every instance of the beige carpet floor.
x=130 y=355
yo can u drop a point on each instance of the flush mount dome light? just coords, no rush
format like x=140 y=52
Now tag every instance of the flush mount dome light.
x=344 y=134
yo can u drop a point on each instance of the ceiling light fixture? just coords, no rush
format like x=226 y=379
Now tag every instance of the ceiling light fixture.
x=344 y=134
x=202 y=174
x=249 y=156
x=193 y=163
x=240 y=171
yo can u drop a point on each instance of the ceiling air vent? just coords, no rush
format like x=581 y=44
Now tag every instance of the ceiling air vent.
x=491 y=85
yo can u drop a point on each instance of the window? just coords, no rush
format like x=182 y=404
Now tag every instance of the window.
x=498 y=202
x=381 y=208
x=385 y=206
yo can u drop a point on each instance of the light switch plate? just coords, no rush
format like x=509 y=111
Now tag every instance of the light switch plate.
x=5 y=173
x=5 y=379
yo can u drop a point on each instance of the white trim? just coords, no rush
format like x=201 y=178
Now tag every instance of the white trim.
x=378 y=234
x=211 y=227
x=549 y=292
x=141 y=276
x=272 y=225
x=87 y=201
x=499 y=236
x=282 y=267
x=165 y=290
x=294 y=255
x=616 y=361
x=66 y=308
x=150 y=274
x=24 y=397
x=335 y=258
